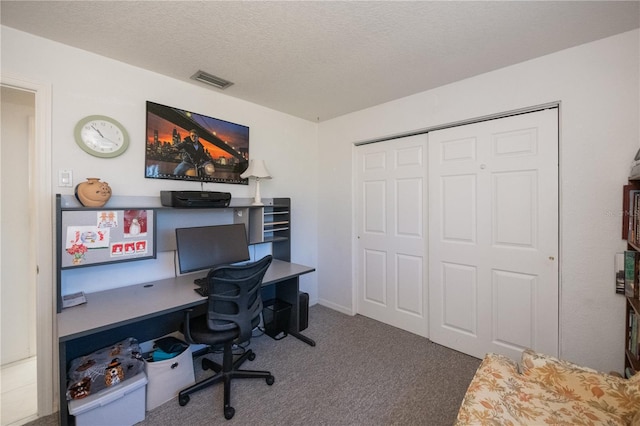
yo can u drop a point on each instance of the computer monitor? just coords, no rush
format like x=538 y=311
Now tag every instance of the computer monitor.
x=203 y=247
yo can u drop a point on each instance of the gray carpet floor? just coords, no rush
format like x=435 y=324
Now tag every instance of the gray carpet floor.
x=361 y=372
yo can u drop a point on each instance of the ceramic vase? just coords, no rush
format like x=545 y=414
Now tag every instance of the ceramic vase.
x=93 y=193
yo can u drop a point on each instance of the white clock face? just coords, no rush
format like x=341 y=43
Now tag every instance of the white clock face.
x=101 y=136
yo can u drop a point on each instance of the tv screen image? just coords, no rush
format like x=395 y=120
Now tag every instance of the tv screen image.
x=204 y=247
x=184 y=145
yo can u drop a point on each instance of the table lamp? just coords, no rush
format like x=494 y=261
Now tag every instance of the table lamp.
x=257 y=170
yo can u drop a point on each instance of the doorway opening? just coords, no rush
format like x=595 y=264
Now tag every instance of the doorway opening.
x=19 y=349
x=26 y=262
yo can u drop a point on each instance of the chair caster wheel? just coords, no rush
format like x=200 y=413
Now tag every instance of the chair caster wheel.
x=229 y=412
x=270 y=380
x=183 y=400
x=251 y=356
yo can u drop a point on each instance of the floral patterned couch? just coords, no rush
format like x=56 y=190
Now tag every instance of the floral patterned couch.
x=543 y=390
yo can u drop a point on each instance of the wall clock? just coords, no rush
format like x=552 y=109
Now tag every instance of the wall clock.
x=101 y=136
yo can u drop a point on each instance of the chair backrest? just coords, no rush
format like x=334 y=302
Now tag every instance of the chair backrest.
x=234 y=297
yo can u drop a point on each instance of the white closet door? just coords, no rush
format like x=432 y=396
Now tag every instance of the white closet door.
x=391 y=225
x=493 y=235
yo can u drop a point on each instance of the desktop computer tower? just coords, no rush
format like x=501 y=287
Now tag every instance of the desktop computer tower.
x=303 y=307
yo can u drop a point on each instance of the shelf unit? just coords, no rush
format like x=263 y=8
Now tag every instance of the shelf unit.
x=276 y=227
x=631 y=233
x=268 y=223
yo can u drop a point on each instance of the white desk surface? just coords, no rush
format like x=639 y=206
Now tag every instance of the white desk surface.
x=112 y=308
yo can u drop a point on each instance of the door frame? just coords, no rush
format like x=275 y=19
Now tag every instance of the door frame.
x=504 y=114
x=42 y=226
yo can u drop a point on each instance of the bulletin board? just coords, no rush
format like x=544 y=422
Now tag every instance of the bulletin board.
x=95 y=237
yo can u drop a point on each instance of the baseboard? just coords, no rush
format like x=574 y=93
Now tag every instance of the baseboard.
x=343 y=309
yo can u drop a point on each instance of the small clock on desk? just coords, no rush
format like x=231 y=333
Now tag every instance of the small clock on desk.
x=101 y=136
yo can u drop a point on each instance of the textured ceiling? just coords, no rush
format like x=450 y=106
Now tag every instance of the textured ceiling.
x=320 y=60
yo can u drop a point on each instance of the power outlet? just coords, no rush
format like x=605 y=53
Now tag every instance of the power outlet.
x=65 y=178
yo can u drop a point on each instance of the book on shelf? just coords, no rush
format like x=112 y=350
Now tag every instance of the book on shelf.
x=619 y=269
x=630 y=210
x=634 y=227
x=636 y=337
x=627 y=209
x=631 y=269
x=633 y=341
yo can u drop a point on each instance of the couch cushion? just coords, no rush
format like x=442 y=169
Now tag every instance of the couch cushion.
x=499 y=394
x=601 y=391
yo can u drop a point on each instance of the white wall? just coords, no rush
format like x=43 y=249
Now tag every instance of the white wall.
x=84 y=83
x=598 y=86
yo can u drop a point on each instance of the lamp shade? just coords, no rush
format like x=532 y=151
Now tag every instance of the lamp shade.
x=256 y=169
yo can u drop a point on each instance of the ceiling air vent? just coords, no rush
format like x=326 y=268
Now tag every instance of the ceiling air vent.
x=211 y=80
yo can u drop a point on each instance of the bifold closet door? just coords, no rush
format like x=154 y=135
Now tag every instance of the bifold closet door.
x=493 y=235
x=391 y=225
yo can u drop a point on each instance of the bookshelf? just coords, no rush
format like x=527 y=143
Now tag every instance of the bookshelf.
x=631 y=233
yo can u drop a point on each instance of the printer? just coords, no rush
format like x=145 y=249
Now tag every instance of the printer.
x=198 y=199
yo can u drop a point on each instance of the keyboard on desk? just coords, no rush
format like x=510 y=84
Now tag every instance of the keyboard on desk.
x=200 y=281
x=203 y=290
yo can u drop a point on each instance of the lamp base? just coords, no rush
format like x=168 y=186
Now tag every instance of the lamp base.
x=257 y=200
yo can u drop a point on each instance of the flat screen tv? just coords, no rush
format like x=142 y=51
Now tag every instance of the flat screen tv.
x=184 y=145
x=204 y=247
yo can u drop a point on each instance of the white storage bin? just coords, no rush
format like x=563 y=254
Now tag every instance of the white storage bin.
x=119 y=405
x=168 y=377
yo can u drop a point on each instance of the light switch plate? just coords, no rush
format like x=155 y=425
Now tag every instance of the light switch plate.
x=65 y=178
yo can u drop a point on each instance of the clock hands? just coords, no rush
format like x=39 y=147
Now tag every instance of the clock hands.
x=94 y=128
x=102 y=136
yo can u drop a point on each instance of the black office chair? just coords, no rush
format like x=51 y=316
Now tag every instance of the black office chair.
x=234 y=311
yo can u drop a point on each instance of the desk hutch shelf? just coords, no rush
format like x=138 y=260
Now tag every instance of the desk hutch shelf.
x=268 y=223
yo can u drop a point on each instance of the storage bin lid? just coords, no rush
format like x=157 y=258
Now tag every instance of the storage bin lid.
x=108 y=395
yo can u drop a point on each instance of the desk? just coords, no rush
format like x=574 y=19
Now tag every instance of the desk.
x=150 y=310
